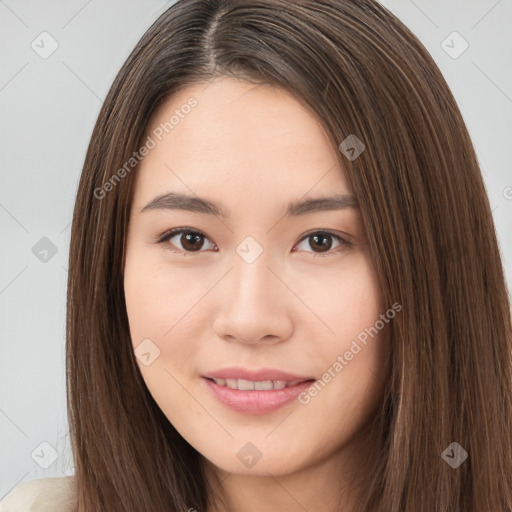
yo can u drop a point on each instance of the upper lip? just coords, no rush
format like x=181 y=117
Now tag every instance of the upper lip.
x=255 y=375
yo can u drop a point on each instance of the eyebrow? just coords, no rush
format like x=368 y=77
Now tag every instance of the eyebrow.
x=176 y=201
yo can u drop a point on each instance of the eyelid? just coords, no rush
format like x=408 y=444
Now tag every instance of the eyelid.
x=346 y=238
x=167 y=235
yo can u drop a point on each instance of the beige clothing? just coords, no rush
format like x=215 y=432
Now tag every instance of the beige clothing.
x=42 y=495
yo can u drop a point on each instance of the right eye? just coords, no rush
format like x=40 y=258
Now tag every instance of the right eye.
x=191 y=240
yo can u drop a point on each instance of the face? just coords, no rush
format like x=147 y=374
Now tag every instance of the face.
x=250 y=293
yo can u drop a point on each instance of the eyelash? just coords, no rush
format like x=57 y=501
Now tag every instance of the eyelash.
x=345 y=244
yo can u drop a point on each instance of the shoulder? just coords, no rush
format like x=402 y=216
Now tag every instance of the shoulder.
x=42 y=495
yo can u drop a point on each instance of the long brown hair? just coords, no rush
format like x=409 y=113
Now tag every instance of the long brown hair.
x=429 y=226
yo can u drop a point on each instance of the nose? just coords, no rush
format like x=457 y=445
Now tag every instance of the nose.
x=255 y=306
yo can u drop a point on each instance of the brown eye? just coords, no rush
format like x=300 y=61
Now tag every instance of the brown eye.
x=190 y=240
x=321 y=242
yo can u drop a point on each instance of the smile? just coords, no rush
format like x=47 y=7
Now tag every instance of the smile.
x=249 y=385
x=255 y=397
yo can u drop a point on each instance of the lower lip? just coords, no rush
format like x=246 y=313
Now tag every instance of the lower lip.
x=256 y=402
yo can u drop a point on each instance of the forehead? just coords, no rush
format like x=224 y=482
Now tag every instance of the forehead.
x=235 y=137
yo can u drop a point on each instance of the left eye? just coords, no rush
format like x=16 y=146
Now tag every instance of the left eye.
x=193 y=241
x=321 y=239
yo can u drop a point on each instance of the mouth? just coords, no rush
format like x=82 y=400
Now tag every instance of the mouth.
x=250 y=385
x=260 y=392
x=228 y=376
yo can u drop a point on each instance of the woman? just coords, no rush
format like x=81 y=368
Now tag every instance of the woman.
x=285 y=289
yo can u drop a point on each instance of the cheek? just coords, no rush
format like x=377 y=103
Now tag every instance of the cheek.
x=158 y=313
x=347 y=303
x=351 y=358
x=162 y=304
x=157 y=296
x=158 y=327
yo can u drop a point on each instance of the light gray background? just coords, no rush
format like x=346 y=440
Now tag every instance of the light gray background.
x=47 y=111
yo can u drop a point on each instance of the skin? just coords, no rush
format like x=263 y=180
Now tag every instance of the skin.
x=254 y=149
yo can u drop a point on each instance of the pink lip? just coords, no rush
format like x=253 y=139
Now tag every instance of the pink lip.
x=255 y=401
x=256 y=376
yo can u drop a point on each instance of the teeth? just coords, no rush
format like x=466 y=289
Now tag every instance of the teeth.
x=264 y=386
x=279 y=384
x=232 y=383
x=245 y=385
x=249 y=385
